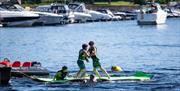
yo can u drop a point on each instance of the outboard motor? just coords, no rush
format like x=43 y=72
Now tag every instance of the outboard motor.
x=36 y=64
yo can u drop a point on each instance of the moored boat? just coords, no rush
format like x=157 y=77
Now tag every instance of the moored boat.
x=109 y=12
x=17 y=18
x=80 y=12
x=28 y=69
x=45 y=18
x=151 y=14
x=59 y=9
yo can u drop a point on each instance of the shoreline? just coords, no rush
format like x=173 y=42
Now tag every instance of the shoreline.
x=112 y=7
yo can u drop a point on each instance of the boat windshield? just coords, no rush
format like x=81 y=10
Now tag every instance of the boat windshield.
x=151 y=8
x=77 y=7
x=73 y=6
x=12 y=7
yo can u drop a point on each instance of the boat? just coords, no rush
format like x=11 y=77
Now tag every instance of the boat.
x=17 y=18
x=98 y=16
x=60 y=9
x=92 y=14
x=80 y=12
x=172 y=12
x=28 y=69
x=48 y=19
x=45 y=18
x=127 y=15
x=109 y=12
x=138 y=76
x=5 y=75
x=151 y=14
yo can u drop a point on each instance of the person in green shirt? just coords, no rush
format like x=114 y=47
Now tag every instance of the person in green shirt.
x=83 y=56
x=96 y=64
x=61 y=74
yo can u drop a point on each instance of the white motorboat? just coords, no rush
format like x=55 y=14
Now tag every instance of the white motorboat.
x=151 y=13
x=58 y=9
x=44 y=17
x=17 y=18
x=172 y=12
x=91 y=15
x=107 y=11
x=80 y=12
x=48 y=19
x=98 y=16
x=127 y=15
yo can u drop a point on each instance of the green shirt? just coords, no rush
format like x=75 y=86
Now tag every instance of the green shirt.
x=60 y=75
x=82 y=56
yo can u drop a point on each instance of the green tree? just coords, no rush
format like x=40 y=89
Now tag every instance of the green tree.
x=164 y=1
x=141 y=2
x=32 y=1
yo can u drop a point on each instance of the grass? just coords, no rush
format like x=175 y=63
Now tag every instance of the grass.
x=32 y=5
x=118 y=3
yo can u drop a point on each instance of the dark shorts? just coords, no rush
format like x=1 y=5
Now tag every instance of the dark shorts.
x=81 y=64
x=96 y=63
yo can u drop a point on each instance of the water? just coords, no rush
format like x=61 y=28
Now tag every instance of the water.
x=153 y=49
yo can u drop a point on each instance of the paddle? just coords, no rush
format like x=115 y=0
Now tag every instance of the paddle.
x=25 y=75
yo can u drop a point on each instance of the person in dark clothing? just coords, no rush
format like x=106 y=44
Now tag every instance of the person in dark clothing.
x=83 y=55
x=61 y=74
x=96 y=64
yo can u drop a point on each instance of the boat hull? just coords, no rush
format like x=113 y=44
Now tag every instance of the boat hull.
x=17 y=18
x=26 y=23
x=21 y=71
x=81 y=17
x=151 y=19
x=5 y=75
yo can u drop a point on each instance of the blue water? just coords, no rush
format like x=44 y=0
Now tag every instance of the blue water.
x=153 y=49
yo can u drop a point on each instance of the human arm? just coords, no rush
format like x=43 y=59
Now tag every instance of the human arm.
x=93 y=52
x=86 y=56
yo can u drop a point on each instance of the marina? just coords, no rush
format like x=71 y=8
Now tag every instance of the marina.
x=60 y=14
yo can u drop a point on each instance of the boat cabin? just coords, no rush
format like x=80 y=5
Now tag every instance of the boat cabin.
x=151 y=8
x=54 y=8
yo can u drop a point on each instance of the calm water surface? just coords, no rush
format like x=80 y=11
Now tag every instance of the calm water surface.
x=153 y=49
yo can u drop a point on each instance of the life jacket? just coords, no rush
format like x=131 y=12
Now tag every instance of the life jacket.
x=81 y=55
x=60 y=75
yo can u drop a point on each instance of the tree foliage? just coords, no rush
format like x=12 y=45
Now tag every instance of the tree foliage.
x=31 y=1
x=92 y=1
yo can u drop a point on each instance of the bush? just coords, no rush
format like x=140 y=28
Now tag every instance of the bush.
x=32 y=1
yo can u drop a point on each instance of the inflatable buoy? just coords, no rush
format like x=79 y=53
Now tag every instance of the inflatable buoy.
x=116 y=68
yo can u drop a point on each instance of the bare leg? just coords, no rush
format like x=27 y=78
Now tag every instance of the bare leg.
x=105 y=72
x=83 y=73
x=78 y=74
x=97 y=73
